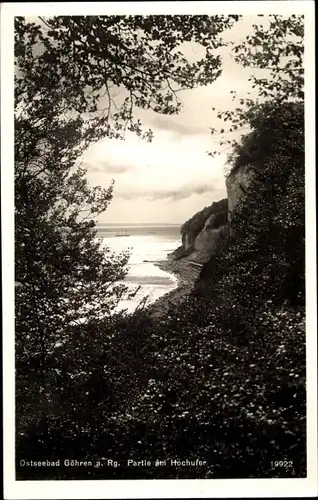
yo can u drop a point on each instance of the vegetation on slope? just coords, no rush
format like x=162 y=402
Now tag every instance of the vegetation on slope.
x=222 y=377
x=65 y=100
x=196 y=223
x=193 y=227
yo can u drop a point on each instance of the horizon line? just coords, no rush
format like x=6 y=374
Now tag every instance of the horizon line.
x=139 y=223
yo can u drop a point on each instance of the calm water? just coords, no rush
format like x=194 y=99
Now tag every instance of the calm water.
x=146 y=242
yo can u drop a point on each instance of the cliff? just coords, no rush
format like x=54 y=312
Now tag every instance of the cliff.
x=201 y=233
x=236 y=184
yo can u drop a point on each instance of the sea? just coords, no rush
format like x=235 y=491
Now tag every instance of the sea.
x=147 y=243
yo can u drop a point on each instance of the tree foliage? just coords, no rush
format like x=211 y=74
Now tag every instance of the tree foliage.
x=65 y=66
x=83 y=62
x=77 y=80
x=274 y=53
x=224 y=371
x=223 y=374
x=265 y=259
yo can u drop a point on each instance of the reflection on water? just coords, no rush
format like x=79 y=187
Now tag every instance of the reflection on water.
x=146 y=244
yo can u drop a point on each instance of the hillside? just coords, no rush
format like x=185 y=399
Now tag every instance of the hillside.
x=221 y=374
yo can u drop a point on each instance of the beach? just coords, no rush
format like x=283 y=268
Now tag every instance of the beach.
x=186 y=275
x=149 y=245
x=163 y=281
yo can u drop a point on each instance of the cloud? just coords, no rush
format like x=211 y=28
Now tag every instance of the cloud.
x=167 y=124
x=171 y=195
x=172 y=177
x=107 y=168
x=93 y=169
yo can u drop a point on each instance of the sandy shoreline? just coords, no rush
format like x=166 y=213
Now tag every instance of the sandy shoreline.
x=186 y=277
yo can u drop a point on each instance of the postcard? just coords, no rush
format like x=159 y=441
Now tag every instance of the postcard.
x=159 y=260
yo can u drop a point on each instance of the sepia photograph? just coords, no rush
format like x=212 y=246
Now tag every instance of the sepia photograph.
x=161 y=320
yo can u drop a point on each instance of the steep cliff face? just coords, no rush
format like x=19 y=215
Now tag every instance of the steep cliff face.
x=208 y=218
x=202 y=234
x=236 y=183
x=208 y=239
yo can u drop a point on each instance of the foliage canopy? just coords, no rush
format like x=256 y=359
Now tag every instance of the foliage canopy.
x=225 y=370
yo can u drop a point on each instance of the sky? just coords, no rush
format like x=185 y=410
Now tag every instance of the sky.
x=170 y=179
x=173 y=177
